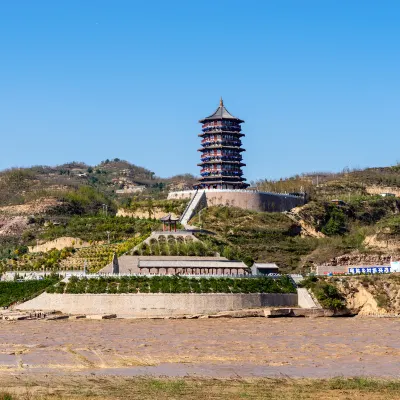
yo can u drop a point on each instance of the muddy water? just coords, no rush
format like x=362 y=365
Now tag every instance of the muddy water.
x=252 y=347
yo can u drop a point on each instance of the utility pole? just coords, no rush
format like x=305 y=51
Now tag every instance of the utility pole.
x=348 y=183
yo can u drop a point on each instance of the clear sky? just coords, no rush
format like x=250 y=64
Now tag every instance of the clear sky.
x=317 y=82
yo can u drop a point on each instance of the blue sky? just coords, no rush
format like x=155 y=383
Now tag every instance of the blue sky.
x=317 y=82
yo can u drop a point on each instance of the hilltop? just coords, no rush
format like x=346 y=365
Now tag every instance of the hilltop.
x=347 y=183
x=23 y=185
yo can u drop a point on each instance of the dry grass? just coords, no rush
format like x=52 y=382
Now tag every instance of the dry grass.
x=91 y=387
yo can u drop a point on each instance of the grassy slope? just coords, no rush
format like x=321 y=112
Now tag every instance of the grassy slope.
x=265 y=237
x=348 y=226
x=94 y=228
x=273 y=237
x=75 y=388
x=335 y=185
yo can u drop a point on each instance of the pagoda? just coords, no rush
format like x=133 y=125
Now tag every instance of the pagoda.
x=221 y=152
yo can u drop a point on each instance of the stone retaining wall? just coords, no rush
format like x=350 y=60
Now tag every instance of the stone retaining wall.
x=149 y=305
x=246 y=199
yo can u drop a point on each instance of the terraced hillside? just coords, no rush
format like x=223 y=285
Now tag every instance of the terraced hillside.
x=172 y=245
x=96 y=257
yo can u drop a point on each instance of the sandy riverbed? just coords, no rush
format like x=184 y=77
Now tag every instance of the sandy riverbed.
x=252 y=347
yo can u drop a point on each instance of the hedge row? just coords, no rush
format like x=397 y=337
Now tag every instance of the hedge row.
x=174 y=284
x=12 y=292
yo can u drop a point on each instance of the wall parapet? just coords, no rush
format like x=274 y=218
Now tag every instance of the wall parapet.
x=245 y=199
x=183 y=192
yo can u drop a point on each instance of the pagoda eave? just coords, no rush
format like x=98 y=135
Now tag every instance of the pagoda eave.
x=219 y=161
x=222 y=179
x=239 y=134
x=205 y=163
x=220 y=146
x=209 y=119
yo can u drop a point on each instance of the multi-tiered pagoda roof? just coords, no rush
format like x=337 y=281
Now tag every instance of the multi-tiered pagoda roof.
x=221 y=158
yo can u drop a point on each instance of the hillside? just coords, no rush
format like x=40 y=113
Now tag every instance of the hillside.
x=41 y=203
x=256 y=236
x=321 y=186
x=367 y=227
x=362 y=295
x=24 y=185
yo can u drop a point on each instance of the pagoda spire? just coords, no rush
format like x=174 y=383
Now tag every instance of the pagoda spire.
x=221 y=102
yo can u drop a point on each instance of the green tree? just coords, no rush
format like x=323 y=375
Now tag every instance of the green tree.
x=336 y=224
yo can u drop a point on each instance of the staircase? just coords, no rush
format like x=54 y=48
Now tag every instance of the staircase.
x=195 y=204
x=305 y=299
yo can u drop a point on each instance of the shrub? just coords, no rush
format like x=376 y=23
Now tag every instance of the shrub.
x=326 y=294
x=11 y=292
x=177 y=284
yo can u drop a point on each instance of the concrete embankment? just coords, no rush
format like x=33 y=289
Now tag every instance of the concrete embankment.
x=148 y=305
x=305 y=300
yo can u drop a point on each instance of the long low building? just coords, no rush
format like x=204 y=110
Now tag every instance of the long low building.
x=172 y=265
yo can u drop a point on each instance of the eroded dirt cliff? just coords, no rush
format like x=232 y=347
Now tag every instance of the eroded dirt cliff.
x=370 y=294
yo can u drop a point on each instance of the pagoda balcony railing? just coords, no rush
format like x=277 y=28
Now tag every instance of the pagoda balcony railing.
x=219 y=146
x=221 y=158
x=214 y=172
x=232 y=155
x=222 y=129
x=222 y=174
x=221 y=153
x=219 y=123
x=218 y=136
x=209 y=142
x=220 y=133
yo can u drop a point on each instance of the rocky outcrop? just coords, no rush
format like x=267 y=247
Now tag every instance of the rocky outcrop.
x=383 y=189
x=382 y=242
x=357 y=258
x=59 y=244
x=155 y=212
x=31 y=208
x=12 y=225
x=307 y=229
